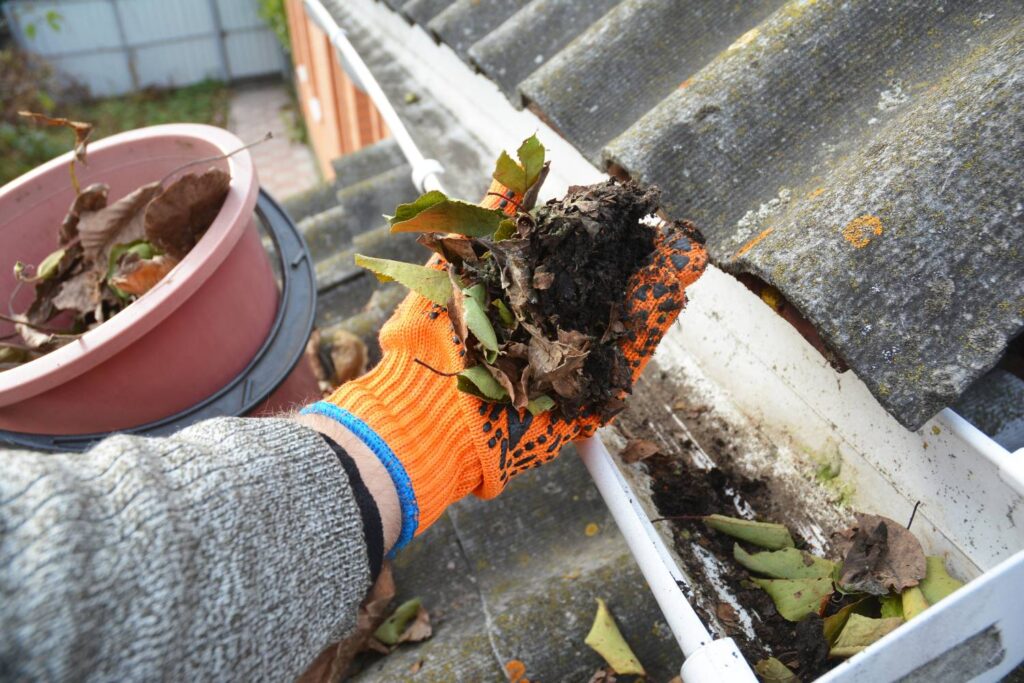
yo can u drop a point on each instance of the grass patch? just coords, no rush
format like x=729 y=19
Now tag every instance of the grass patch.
x=23 y=146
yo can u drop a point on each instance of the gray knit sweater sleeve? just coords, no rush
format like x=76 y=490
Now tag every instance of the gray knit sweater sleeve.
x=232 y=550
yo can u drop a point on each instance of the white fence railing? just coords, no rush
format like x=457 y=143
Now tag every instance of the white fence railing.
x=118 y=46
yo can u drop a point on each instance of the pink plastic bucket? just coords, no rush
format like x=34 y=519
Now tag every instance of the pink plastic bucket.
x=180 y=342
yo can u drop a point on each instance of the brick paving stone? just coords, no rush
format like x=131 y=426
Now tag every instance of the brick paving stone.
x=285 y=167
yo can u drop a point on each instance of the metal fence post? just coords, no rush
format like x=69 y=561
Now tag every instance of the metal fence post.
x=221 y=37
x=129 y=52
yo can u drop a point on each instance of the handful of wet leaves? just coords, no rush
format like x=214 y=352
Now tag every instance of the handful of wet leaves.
x=883 y=580
x=108 y=254
x=535 y=296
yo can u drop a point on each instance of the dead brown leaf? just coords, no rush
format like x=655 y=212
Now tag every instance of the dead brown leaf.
x=349 y=357
x=503 y=372
x=138 y=276
x=457 y=306
x=603 y=675
x=638 y=449
x=81 y=129
x=418 y=629
x=177 y=217
x=454 y=248
x=542 y=279
x=33 y=338
x=335 y=661
x=80 y=293
x=416 y=666
x=883 y=557
x=121 y=222
x=92 y=198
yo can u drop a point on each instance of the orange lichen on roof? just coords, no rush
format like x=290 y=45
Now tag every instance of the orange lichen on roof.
x=816 y=193
x=860 y=230
x=516 y=671
x=752 y=243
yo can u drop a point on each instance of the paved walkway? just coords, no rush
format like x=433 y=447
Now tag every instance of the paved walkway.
x=285 y=167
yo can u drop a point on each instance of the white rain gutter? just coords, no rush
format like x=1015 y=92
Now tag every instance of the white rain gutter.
x=424 y=171
x=707 y=658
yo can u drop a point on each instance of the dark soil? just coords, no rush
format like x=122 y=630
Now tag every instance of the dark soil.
x=687 y=492
x=571 y=261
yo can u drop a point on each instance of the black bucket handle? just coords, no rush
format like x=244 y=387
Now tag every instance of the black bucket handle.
x=273 y=362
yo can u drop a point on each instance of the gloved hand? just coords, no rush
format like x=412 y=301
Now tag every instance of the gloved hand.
x=439 y=444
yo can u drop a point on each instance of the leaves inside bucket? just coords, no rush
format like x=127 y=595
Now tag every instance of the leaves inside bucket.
x=107 y=254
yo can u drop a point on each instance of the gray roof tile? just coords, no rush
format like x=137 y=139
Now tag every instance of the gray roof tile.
x=422 y=11
x=820 y=122
x=629 y=60
x=530 y=37
x=922 y=145
x=466 y=21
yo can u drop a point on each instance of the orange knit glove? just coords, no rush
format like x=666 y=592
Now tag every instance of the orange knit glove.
x=438 y=443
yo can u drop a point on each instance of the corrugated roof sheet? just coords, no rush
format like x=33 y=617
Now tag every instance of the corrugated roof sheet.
x=864 y=158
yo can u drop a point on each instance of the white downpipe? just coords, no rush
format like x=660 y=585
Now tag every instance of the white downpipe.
x=707 y=659
x=424 y=171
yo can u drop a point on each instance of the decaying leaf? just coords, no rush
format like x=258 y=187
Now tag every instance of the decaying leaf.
x=788 y=563
x=913 y=602
x=176 y=218
x=453 y=248
x=477 y=322
x=434 y=212
x=507 y=319
x=34 y=339
x=795 y=599
x=540 y=405
x=418 y=629
x=81 y=293
x=81 y=130
x=348 y=356
x=479 y=382
x=427 y=282
x=137 y=276
x=891 y=606
x=92 y=198
x=762 y=534
x=883 y=557
x=937 y=583
x=834 y=623
x=603 y=675
x=121 y=221
x=391 y=631
x=859 y=632
x=638 y=449
x=606 y=639
x=772 y=670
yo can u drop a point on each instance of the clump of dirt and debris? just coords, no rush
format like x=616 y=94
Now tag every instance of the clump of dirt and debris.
x=537 y=297
x=567 y=267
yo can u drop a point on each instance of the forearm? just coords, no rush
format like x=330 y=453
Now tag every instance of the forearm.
x=233 y=546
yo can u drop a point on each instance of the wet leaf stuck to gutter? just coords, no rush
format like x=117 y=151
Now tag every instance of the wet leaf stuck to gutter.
x=771 y=670
x=860 y=632
x=788 y=563
x=883 y=557
x=638 y=449
x=762 y=534
x=796 y=599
